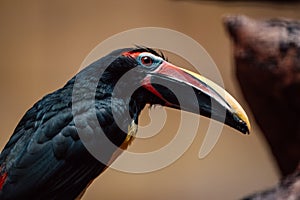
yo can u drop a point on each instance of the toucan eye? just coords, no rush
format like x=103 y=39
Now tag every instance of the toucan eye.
x=147 y=61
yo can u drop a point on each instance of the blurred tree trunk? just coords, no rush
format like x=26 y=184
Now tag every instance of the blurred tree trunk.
x=267 y=59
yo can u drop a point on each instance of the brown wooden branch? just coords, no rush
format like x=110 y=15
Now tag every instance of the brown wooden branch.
x=267 y=59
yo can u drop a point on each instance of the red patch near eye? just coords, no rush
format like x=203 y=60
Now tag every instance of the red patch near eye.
x=134 y=55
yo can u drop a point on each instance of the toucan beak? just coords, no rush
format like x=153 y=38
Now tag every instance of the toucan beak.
x=182 y=89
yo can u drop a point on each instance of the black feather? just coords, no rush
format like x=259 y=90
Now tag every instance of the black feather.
x=45 y=157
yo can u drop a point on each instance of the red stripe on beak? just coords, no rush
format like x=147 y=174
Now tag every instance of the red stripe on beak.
x=169 y=70
x=177 y=73
x=147 y=84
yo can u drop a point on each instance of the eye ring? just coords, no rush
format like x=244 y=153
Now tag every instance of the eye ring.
x=148 y=60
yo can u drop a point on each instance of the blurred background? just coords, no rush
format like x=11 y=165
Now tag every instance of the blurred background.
x=43 y=43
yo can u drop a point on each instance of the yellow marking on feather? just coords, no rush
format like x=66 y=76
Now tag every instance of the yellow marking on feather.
x=132 y=130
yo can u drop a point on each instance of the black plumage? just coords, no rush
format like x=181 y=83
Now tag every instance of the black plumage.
x=45 y=146
x=48 y=156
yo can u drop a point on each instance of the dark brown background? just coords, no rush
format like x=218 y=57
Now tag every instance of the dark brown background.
x=43 y=43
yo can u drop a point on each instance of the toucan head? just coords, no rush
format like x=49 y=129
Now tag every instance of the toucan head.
x=146 y=77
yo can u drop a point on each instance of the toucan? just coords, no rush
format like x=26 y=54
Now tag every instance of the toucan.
x=46 y=156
